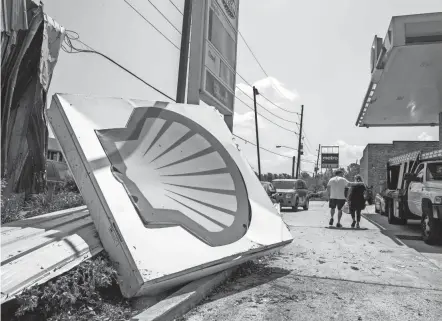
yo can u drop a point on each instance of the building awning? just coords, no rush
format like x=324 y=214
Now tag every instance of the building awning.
x=406 y=81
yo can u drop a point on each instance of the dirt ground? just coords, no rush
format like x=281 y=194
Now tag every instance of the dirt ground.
x=328 y=274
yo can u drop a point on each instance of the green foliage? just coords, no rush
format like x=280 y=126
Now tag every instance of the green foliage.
x=16 y=208
x=87 y=292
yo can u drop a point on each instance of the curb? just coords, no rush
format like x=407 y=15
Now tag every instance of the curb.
x=182 y=301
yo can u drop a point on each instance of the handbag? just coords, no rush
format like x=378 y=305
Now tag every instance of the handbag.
x=346 y=208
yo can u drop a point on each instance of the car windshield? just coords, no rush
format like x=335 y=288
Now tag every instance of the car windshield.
x=434 y=172
x=284 y=184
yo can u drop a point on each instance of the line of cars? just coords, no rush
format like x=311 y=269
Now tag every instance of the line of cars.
x=288 y=193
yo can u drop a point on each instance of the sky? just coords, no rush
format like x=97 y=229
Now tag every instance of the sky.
x=314 y=53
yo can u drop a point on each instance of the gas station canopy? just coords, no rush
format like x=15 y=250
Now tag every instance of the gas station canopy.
x=406 y=74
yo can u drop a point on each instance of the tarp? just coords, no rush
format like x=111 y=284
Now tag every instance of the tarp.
x=28 y=60
x=170 y=194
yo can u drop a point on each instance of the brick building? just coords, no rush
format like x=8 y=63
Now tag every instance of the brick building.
x=375 y=157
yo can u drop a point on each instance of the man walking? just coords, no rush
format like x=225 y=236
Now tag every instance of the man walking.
x=336 y=191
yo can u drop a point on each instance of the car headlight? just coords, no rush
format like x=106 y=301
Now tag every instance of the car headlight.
x=438 y=200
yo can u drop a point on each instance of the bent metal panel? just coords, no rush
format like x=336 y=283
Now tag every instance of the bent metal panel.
x=170 y=195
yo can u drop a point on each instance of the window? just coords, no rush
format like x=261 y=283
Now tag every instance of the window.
x=434 y=172
x=420 y=171
x=283 y=184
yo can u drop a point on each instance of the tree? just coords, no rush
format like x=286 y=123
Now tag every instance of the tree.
x=352 y=170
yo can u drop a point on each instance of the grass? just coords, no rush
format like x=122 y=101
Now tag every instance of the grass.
x=15 y=207
x=88 y=292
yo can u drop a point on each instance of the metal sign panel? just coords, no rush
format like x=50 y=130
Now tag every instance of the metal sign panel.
x=215 y=57
x=329 y=156
x=171 y=197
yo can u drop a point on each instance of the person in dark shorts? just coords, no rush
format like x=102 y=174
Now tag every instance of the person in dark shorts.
x=336 y=191
x=356 y=201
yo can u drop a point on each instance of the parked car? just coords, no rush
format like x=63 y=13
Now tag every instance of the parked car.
x=369 y=195
x=291 y=193
x=379 y=204
x=270 y=190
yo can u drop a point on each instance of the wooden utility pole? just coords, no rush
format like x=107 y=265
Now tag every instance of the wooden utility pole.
x=317 y=161
x=256 y=93
x=293 y=166
x=300 y=142
x=184 y=53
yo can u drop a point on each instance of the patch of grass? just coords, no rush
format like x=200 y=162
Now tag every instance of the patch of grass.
x=88 y=292
x=16 y=208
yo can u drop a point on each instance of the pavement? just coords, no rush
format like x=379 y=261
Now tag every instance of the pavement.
x=335 y=274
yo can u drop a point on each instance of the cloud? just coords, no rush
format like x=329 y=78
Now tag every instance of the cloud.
x=269 y=134
x=425 y=137
x=349 y=153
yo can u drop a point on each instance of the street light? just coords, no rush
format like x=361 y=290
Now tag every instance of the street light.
x=294 y=158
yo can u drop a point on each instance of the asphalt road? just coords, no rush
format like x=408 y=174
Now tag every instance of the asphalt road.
x=333 y=274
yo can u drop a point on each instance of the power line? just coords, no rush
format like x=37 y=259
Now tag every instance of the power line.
x=153 y=26
x=267 y=150
x=257 y=61
x=162 y=14
x=178 y=9
x=290 y=121
x=248 y=83
x=248 y=106
x=72 y=49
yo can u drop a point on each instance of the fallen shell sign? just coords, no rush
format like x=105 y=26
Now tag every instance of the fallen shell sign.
x=171 y=196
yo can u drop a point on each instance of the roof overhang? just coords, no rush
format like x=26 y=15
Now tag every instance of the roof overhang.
x=406 y=81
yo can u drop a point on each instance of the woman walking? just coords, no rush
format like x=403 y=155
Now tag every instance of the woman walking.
x=356 y=200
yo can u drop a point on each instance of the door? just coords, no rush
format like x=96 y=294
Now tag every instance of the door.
x=415 y=192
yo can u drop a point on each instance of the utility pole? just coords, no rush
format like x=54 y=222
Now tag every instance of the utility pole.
x=184 y=53
x=256 y=93
x=317 y=161
x=293 y=166
x=300 y=152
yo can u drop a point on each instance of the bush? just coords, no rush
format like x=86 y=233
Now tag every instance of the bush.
x=87 y=292
x=16 y=208
x=38 y=204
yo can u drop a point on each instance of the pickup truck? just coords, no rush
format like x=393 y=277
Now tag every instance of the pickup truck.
x=414 y=191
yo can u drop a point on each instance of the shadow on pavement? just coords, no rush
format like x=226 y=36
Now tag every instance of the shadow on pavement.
x=248 y=276
x=409 y=234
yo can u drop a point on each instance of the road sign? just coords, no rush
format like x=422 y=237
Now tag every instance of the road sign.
x=212 y=72
x=329 y=156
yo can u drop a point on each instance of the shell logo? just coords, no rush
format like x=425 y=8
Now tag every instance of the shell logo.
x=177 y=173
x=230 y=7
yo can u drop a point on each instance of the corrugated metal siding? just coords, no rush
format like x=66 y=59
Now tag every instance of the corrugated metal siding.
x=38 y=249
x=14 y=15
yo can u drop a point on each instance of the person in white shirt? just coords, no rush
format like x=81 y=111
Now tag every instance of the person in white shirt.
x=336 y=191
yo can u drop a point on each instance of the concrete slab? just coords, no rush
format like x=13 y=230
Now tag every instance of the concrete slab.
x=183 y=300
x=170 y=195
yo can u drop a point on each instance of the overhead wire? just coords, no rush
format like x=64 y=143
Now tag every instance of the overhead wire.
x=68 y=47
x=162 y=14
x=263 y=96
x=178 y=9
x=290 y=121
x=144 y=18
x=251 y=108
x=267 y=150
x=259 y=64
x=150 y=23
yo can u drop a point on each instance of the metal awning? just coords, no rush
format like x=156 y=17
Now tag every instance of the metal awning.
x=406 y=82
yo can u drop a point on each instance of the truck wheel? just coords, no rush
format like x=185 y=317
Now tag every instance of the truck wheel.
x=390 y=213
x=431 y=228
